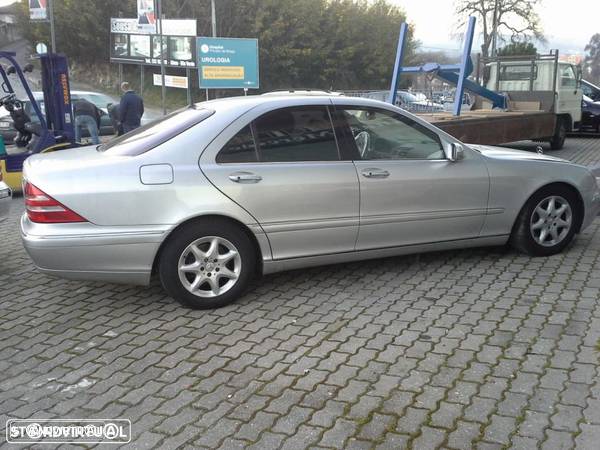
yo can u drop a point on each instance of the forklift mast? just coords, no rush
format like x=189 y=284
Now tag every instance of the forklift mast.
x=57 y=96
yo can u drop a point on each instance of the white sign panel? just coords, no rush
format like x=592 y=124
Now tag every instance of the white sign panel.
x=177 y=27
x=38 y=9
x=171 y=81
x=171 y=27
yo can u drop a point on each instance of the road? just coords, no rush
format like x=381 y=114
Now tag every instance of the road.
x=482 y=348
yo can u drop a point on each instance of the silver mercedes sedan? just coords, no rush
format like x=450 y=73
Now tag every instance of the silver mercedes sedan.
x=214 y=195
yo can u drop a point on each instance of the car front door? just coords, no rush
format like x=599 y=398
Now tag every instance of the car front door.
x=410 y=193
x=569 y=92
x=284 y=168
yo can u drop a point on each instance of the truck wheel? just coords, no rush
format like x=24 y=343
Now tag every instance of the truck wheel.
x=547 y=222
x=558 y=140
x=207 y=264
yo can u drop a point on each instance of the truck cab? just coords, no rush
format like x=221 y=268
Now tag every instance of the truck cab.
x=539 y=82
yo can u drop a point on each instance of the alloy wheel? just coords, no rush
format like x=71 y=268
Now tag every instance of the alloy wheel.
x=551 y=221
x=209 y=266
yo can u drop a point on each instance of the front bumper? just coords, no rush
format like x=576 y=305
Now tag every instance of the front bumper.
x=592 y=208
x=83 y=251
x=5 y=200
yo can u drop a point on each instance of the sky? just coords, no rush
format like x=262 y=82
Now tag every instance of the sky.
x=567 y=24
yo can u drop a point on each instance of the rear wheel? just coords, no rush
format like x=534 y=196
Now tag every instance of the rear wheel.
x=560 y=134
x=547 y=222
x=207 y=265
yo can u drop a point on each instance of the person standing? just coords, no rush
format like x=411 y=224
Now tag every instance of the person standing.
x=131 y=108
x=87 y=116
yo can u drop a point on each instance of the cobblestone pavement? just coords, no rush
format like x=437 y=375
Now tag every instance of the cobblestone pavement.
x=480 y=348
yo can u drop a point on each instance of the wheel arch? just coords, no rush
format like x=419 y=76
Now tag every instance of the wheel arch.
x=218 y=218
x=568 y=120
x=580 y=205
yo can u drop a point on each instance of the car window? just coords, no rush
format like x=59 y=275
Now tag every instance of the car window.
x=567 y=77
x=296 y=134
x=518 y=72
x=381 y=134
x=101 y=101
x=155 y=133
x=241 y=148
x=586 y=90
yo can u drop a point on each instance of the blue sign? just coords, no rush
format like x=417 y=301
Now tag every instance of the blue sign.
x=226 y=63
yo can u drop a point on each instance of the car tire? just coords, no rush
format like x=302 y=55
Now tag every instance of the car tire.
x=544 y=229
x=207 y=264
x=560 y=134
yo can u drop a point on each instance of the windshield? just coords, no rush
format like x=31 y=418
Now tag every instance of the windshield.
x=155 y=133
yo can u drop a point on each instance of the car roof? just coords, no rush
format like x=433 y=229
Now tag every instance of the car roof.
x=39 y=95
x=285 y=99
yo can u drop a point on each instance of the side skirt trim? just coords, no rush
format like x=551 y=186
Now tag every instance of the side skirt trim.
x=274 y=266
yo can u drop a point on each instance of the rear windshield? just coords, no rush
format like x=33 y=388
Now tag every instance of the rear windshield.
x=155 y=133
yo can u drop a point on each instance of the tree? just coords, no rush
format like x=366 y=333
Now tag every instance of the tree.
x=516 y=18
x=326 y=44
x=518 y=49
x=592 y=58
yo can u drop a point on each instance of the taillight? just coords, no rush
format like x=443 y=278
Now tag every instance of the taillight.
x=42 y=208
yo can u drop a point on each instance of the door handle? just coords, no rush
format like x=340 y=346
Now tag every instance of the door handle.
x=245 y=177
x=375 y=173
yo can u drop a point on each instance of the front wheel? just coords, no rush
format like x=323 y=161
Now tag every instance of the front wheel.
x=547 y=222
x=560 y=134
x=207 y=265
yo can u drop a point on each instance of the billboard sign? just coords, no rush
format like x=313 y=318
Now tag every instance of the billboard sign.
x=146 y=16
x=171 y=27
x=171 y=81
x=227 y=63
x=131 y=45
x=38 y=9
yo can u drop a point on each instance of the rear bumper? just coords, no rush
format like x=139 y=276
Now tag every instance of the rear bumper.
x=5 y=200
x=89 y=252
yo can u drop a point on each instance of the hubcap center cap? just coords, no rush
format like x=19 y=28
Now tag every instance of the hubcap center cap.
x=210 y=267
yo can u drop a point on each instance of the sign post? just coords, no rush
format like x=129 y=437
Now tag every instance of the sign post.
x=41 y=11
x=52 y=32
x=227 y=63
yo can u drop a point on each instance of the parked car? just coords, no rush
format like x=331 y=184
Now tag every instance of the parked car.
x=5 y=197
x=211 y=196
x=101 y=101
x=591 y=90
x=590 y=114
x=416 y=103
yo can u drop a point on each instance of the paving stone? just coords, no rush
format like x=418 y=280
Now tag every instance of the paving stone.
x=430 y=438
x=464 y=435
x=411 y=421
x=499 y=429
x=337 y=436
x=446 y=415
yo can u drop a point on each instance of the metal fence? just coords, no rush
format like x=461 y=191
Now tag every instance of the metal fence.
x=416 y=101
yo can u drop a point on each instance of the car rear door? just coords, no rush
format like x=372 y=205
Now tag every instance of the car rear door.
x=283 y=166
x=410 y=193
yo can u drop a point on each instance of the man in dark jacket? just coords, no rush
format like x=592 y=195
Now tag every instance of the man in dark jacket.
x=131 y=108
x=87 y=116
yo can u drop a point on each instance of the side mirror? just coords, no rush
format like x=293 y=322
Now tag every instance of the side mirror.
x=456 y=152
x=28 y=68
x=11 y=70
